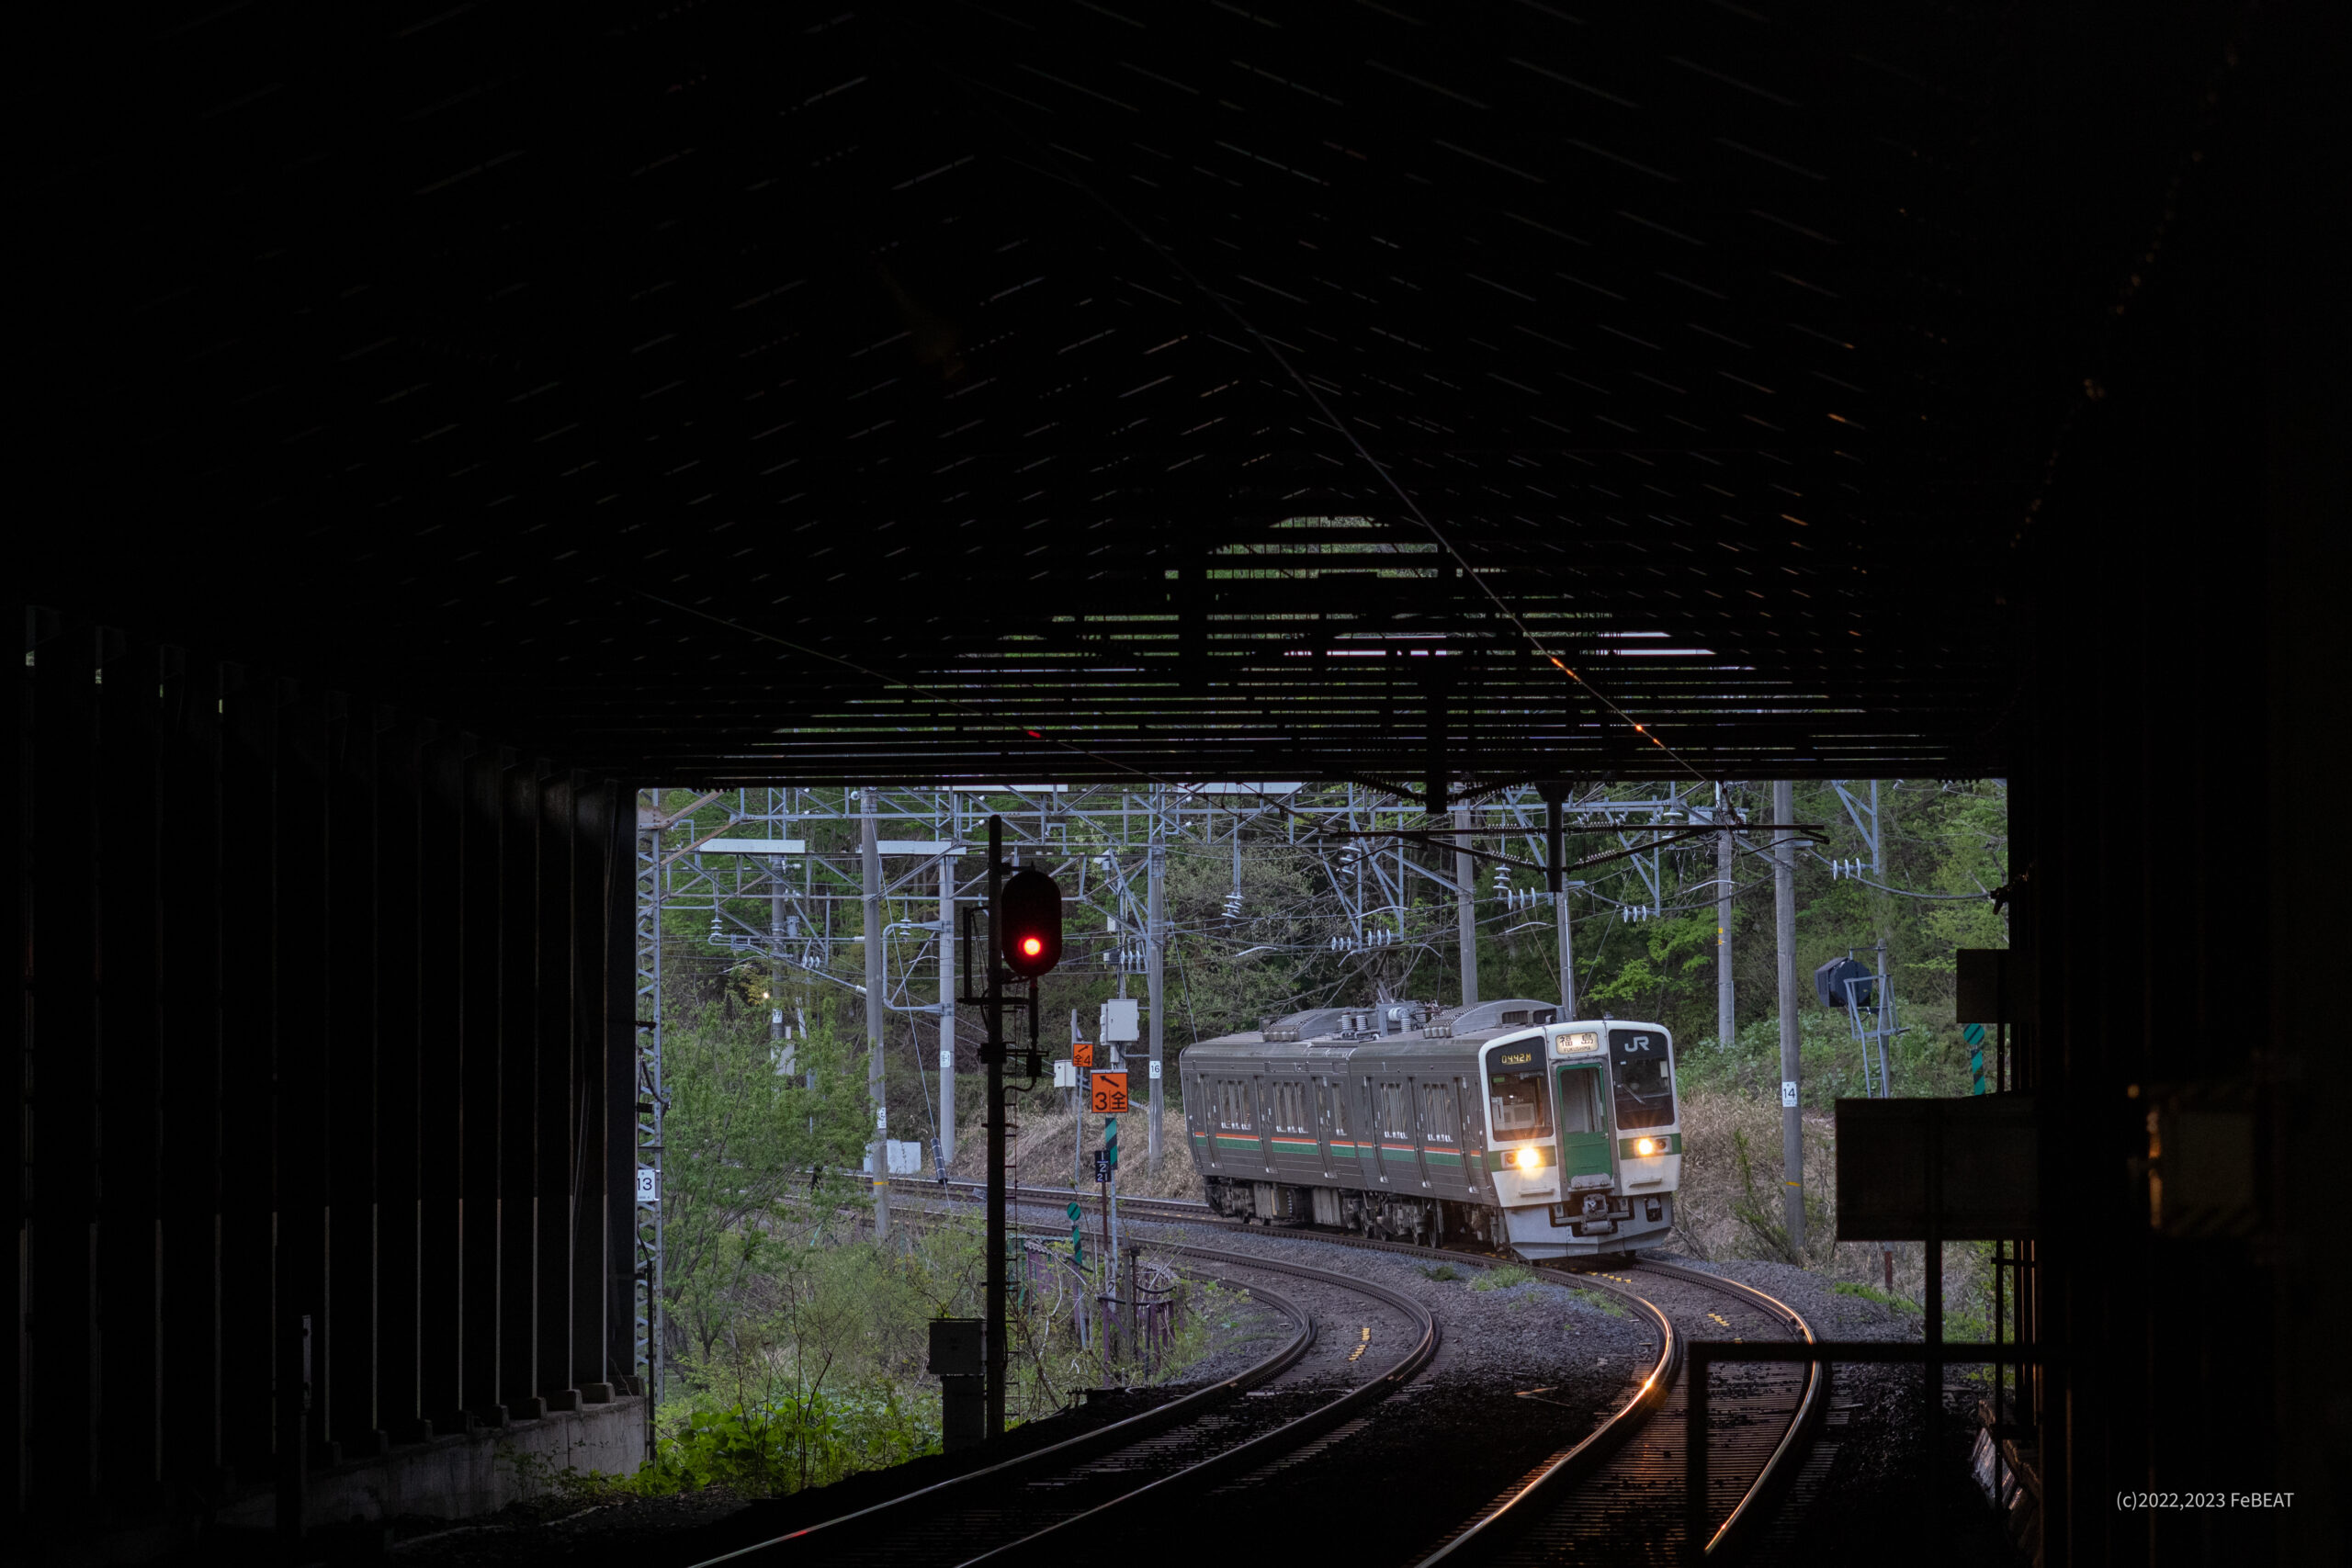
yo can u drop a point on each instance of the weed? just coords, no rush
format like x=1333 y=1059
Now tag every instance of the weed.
x=1598 y=1302
x=1872 y=1293
x=1503 y=1277
x=1443 y=1271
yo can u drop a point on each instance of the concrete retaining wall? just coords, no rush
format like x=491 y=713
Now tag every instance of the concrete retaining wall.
x=459 y=1475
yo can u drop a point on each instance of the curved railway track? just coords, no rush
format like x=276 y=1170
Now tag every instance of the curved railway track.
x=1620 y=1490
x=1049 y=1497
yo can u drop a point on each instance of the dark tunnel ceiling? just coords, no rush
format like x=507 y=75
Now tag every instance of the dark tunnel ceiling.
x=1082 y=372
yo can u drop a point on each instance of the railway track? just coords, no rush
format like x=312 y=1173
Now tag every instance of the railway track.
x=1620 y=1491
x=1050 y=1499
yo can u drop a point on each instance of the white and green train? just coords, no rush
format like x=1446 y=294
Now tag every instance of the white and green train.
x=1497 y=1123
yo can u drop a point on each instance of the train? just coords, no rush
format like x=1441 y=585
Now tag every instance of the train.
x=1498 y=1124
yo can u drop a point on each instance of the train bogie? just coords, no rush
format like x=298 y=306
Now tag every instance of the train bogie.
x=1498 y=1123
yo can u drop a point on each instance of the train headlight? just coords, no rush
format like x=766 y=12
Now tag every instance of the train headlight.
x=1646 y=1145
x=1531 y=1160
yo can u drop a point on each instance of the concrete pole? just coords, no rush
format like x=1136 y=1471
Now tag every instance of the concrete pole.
x=948 y=1010
x=1156 y=958
x=1784 y=924
x=1885 y=910
x=786 y=1057
x=870 y=844
x=1555 y=842
x=1725 y=1023
x=1465 y=906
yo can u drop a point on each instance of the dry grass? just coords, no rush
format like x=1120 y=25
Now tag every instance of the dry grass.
x=1043 y=1152
x=1726 y=1211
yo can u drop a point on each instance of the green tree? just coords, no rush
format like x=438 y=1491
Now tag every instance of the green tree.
x=741 y=1137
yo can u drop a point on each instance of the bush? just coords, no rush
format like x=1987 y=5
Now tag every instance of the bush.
x=790 y=1444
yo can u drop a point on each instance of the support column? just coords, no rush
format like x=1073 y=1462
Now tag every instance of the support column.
x=992 y=1055
x=1155 y=960
x=786 y=1056
x=1725 y=1024
x=1466 y=906
x=871 y=853
x=1556 y=874
x=948 y=1010
x=1784 y=925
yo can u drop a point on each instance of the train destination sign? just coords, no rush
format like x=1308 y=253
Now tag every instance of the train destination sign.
x=1110 y=1095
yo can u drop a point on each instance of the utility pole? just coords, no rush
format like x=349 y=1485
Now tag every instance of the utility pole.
x=1784 y=923
x=1724 y=1022
x=1156 y=956
x=1885 y=912
x=992 y=1054
x=1555 y=873
x=870 y=843
x=948 y=1008
x=786 y=1057
x=1465 y=906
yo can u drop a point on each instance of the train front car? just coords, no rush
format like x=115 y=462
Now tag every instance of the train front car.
x=1584 y=1137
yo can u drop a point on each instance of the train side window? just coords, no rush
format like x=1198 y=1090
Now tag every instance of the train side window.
x=1396 y=1113
x=1338 y=1100
x=1517 y=1106
x=1437 y=1112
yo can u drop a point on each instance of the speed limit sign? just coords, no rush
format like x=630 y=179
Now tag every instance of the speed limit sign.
x=1110 y=1095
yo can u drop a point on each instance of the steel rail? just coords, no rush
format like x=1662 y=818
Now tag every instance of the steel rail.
x=1780 y=1467
x=1748 y=1513
x=1520 y=1510
x=1265 y=1447
x=1151 y=1423
x=1071 y=1450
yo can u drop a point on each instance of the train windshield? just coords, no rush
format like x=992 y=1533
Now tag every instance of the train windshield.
x=1517 y=1105
x=1643 y=1078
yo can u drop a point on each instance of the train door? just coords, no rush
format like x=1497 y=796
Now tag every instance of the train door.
x=1262 y=1115
x=1584 y=1121
x=1365 y=1102
x=1440 y=1134
x=1463 y=1170
x=1400 y=1143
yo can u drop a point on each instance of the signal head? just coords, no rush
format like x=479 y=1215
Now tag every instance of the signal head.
x=1029 y=923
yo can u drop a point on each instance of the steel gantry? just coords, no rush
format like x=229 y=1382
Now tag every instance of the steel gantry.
x=770 y=876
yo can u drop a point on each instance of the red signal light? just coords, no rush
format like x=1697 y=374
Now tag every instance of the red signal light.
x=1029 y=923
